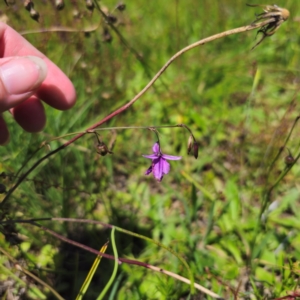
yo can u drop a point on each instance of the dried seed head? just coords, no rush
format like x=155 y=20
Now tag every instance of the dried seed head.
x=275 y=15
x=34 y=14
x=59 y=4
x=89 y=5
x=121 y=6
x=285 y=14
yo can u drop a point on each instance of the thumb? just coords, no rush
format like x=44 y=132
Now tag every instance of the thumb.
x=20 y=77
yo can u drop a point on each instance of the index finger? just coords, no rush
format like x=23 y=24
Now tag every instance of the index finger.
x=57 y=90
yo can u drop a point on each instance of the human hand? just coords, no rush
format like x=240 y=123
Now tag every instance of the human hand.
x=26 y=76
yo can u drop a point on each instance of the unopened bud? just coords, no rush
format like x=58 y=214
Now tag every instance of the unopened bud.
x=89 y=5
x=289 y=160
x=59 y=4
x=102 y=149
x=195 y=149
x=121 y=6
x=34 y=14
x=190 y=144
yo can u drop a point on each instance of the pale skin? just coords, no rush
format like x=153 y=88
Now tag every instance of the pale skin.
x=28 y=77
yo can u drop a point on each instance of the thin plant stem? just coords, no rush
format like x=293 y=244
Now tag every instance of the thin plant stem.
x=267 y=193
x=108 y=256
x=123 y=40
x=33 y=221
x=115 y=270
x=183 y=261
x=281 y=176
x=183 y=279
x=142 y=92
x=281 y=131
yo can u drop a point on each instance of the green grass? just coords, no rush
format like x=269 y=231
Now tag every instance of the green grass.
x=206 y=210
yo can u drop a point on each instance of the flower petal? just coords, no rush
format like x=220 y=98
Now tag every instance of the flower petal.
x=151 y=156
x=156 y=148
x=149 y=170
x=165 y=166
x=171 y=157
x=160 y=168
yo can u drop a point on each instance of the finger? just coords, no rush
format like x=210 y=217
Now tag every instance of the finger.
x=57 y=90
x=4 y=134
x=20 y=77
x=30 y=114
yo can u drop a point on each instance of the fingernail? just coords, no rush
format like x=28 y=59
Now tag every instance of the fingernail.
x=23 y=74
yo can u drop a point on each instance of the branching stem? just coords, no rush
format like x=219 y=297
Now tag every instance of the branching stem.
x=142 y=92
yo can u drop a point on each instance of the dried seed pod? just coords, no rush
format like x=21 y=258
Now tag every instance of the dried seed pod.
x=102 y=149
x=59 y=4
x=190 y=144
x=121 y=6
x=34 y=14
x=111 y=19
x=28 y=4
x=89 y=5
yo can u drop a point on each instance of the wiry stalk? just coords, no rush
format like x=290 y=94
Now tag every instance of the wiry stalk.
x=270 y=21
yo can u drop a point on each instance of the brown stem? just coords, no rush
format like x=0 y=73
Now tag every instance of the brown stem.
x=142 y=92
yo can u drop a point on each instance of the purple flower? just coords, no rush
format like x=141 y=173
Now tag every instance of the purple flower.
x=160 y=166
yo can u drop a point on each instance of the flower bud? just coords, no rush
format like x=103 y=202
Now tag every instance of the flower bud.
x=289 y=160
x=121 y=6
x=195 y=149
x=190 y=144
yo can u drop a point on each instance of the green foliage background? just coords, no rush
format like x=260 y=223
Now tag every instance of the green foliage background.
x=232 y=98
